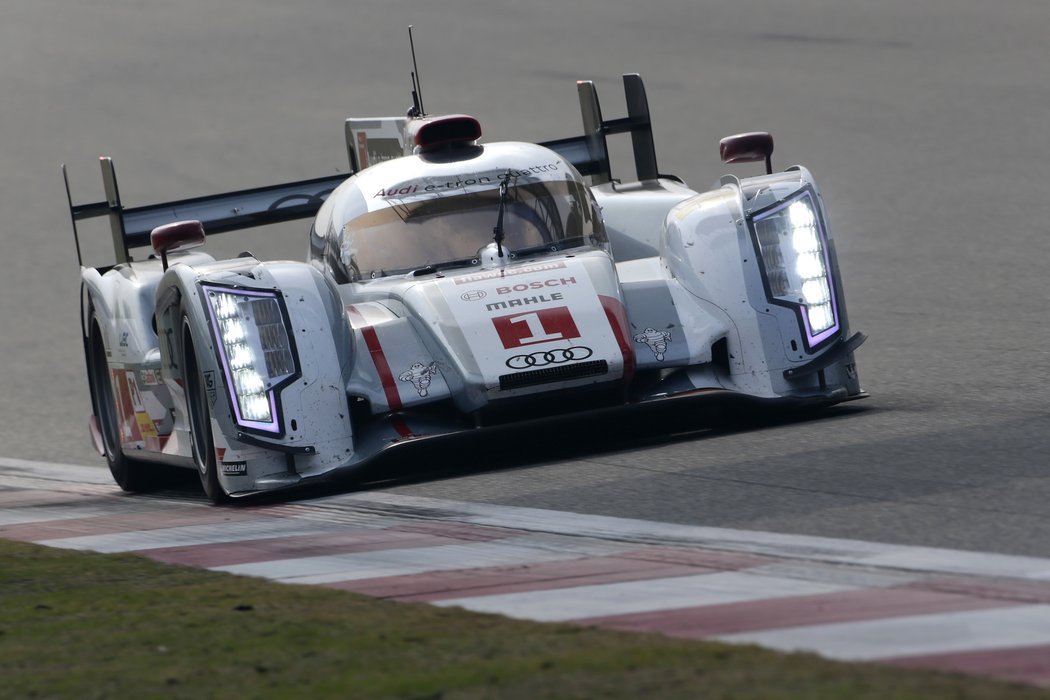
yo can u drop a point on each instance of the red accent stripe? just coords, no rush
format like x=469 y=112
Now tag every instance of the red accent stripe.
x=401 y=427
x=617 y=315
x=375 y=349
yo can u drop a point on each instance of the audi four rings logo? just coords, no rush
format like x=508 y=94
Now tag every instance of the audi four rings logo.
x=473 y=295
x=549 y=357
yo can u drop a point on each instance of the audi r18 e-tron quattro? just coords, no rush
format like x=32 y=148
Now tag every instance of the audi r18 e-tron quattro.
x=453 y=284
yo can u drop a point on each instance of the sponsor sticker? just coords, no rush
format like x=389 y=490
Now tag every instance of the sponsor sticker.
x=150 y=377
x=493 y=274
x=539 y=326
x=420 y=375
x=466 y=183
x=535 y=285
x=234 y=468
x=656 y=340
x=542 y=358
x=525 y=301
x=538 y=314
x=209 y=385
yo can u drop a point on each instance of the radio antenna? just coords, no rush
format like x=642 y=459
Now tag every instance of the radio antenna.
x=417 y=91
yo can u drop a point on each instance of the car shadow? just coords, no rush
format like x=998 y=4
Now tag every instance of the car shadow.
x=518 y=446
x=558 y=439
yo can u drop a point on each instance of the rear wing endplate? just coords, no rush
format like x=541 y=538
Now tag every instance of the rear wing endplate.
x=590 y=152
x=367 y=141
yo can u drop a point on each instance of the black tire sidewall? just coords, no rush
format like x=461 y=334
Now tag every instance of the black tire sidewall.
x=130 y=474
x=199 y=414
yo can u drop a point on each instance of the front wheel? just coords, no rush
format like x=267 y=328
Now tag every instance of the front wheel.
x=130 y=474
x=200 y=426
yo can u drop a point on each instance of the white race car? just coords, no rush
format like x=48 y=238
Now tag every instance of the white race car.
x=453 y=285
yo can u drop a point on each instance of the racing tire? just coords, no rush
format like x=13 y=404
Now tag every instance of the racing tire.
x=199 y=413
x=131 y=474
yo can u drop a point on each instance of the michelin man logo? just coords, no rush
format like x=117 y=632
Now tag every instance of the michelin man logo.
x=420 y=376
x=656 y=340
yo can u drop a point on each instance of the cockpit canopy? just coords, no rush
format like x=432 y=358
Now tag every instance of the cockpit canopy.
x=451 y=229
x=431 y=220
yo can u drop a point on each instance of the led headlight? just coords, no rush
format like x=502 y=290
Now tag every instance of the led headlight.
x=256 y=352
x=793 y=250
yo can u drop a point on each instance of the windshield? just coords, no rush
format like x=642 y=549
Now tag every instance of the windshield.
x=451 y=229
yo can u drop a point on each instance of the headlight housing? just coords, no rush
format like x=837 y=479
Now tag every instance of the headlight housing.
x=256 y=350
x=792 y=247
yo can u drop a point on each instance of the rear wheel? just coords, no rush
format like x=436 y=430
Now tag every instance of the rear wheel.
x=130 y=474
x=200 y=425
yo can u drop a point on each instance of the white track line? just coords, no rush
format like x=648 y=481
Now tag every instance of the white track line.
x=916 y=635
x=528 y=549
x=189 y=535
x=643 y=596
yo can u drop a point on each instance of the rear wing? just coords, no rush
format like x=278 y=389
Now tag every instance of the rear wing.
x=131 y=226
x=367 y=142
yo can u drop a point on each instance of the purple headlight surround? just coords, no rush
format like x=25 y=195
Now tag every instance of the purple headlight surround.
x=272 y=426
x=773 y=253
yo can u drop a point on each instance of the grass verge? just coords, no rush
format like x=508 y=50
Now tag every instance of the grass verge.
x=84 y=625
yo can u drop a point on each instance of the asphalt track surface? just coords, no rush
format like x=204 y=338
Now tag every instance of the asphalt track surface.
x=924 y=123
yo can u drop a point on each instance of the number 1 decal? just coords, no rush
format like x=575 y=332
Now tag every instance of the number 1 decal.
x=533 y=327
x=537 y=333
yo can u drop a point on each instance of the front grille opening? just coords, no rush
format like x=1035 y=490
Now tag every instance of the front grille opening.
x=562 y=373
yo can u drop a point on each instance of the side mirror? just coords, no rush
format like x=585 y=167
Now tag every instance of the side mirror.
x=747 y=148
x=180 y=235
